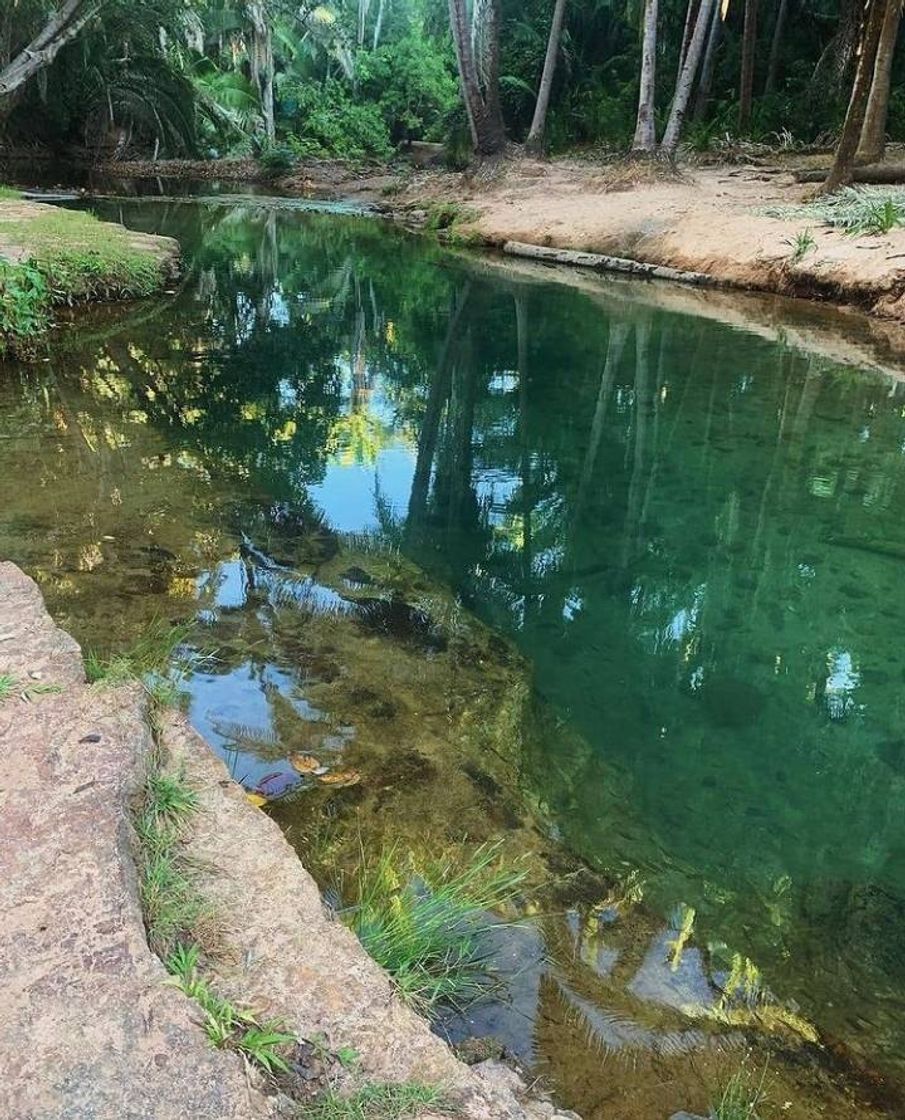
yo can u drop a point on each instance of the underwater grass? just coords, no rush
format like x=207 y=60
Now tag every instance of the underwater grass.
x=374 y=1102
x=741 y=1097
x=426 y=924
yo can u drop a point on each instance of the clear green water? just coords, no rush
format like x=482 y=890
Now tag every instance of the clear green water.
x=694 y=536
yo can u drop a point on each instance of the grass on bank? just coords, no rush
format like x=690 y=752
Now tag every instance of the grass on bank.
x=427 y=923
x=72 y=257
x=374 y=1102
x=855 y=210
x=148 y=660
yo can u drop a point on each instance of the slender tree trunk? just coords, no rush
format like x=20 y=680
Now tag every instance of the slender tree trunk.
x=484 y=117
x=873 y=132
x=262 y=62
x=685 y=80
x=378 y=26
x=844 y=160
x=776 y=46
x=645 y=139
x=746 y=84
x=709 y=63
x=62 y=27
x=535 y=139
x=691 y=14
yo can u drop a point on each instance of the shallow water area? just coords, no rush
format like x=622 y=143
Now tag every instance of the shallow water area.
x=475 y=555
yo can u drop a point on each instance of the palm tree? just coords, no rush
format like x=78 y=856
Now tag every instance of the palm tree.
x=746 y=84
x=482 y=107
x=686 y=78
x=645 y=139
x=63 y=25
x=873 y=132
x=539 y=122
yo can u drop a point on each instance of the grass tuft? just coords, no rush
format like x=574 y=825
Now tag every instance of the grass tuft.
x=145 y=660
x=374 y=1102
x=741 y=1097
x=9 y=193
x=7 y=686
x=855 y=210
x=426 y=924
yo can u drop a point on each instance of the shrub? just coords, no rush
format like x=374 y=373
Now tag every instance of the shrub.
x=324 y=121
x=412 y=83
x=24 y=304
x=277 y=160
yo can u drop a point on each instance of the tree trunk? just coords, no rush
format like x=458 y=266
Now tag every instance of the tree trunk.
x=709 y=63
x=485 y=120
x=844 y=160
x=62 y=27
x=685 y=80
x=746 y=84
x=535 y=139
x=262 y=63
x=691 y=15
x=776 y=46
x=645 y=132
x=873 y=132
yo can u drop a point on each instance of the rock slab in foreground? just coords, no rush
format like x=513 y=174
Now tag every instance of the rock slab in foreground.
x=89 y=1030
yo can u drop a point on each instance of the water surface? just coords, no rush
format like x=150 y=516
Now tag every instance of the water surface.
x=684 y=543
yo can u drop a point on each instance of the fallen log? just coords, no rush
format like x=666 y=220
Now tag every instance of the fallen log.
x=602 y=263
x=870 y=173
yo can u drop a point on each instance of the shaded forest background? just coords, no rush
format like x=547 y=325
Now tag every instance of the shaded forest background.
x=361 y=78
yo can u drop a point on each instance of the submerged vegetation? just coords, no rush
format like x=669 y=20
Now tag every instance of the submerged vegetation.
x=426 y=921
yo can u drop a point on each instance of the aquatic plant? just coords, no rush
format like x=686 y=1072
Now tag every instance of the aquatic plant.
x=143 y=661
x=426 y=922
x=740 y=1097
x=374 y=1102
x=684 y=923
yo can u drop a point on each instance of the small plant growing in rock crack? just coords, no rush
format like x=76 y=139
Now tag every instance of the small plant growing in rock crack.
x=226 y=1025
x=375 y=1102
x=144 y=660
x=801 y=244
x=7 y=686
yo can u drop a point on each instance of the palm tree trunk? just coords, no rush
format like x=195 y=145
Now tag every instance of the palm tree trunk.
x=62 y=27
x=746 y=84
x=776 y=45
x=844 y=161
x=539 y=122
x=873 y=131
x=262 y=62
x=691 y=14
x=685 y=80
x=485 y=120
x=709 y=63
x=645 y=139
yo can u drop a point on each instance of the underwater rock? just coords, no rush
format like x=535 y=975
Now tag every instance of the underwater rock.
x=398 y=619
x=731 y=702
x=356 y=577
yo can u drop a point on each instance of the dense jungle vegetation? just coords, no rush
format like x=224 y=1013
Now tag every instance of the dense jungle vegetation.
x=359 y=78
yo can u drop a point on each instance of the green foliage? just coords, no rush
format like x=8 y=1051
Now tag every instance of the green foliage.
x=24 y=305
x=413 y=85
x=426 y=923
x=324 y=121
x=277 y=160
x=9 y=193
x=7 y=686
x=374 y=1102
x=741 y=1097
x=143 y=660
x=801 y=244
x=856 y=210
x=225 y=1024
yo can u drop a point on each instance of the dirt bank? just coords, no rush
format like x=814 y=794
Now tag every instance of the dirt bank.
x=89 y=1026
x=707 y=220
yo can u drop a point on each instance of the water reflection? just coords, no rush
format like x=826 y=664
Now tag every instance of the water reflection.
x=694 y=536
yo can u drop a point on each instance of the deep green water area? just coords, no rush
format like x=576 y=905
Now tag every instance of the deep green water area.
x=624 y=581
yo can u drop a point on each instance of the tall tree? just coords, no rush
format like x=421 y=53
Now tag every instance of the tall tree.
x=685 y=80
x=645 y=139
x=261 y=61
x=844 y=160
x=746 y=82
x=776 y=42
x=873 y=132
x=63 y=25
x=539 y=122
x=482 y=106
x=709 y=64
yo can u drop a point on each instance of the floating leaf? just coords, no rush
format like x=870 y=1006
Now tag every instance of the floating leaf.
x=304 y=763
x=256 y=799
x=340 y=778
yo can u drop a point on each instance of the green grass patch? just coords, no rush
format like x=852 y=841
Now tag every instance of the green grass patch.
x=228 y=1026
x=9 y=193
x=72 y=257
x=445 y=219
x=374 y=1102
x=146 y=660
x=7 y=686
x=741 y=1097
x=427 y=923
